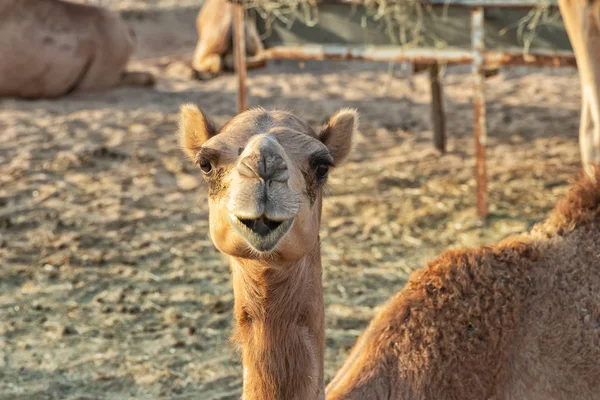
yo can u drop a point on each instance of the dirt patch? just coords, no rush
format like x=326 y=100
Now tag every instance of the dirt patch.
x=109 y=285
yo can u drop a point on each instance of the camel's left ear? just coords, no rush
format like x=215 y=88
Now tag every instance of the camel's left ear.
x=337 y=133
x=194 y=129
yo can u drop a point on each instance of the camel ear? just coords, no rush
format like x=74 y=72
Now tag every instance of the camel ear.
x=194 y=129
x=337 y=133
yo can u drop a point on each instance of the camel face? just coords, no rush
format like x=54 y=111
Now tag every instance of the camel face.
x=264 y=199
x=265 y=172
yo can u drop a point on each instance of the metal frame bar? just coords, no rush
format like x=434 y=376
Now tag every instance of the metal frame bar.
x=493 y=3
x=479 y=120
x=417 y=56
x=240 y=56
x=438 y=117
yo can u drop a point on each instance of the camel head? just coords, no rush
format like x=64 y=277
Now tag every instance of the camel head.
x=265 y=172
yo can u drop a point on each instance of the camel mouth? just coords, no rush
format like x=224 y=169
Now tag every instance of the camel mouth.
x=261 y=233
x=261 y=226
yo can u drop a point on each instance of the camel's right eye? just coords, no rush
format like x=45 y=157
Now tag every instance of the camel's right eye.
x=206 y=159
x=205 y=166
x=322 y=171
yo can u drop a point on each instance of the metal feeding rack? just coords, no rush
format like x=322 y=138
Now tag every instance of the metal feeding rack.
x=487 y=34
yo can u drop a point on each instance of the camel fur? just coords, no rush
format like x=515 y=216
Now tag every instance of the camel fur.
x=51 y=48
x=515 y=320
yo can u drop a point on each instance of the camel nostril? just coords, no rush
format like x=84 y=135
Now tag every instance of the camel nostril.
x=272 y=165
x=281 y=175
x=266 y=167
x=244 y=169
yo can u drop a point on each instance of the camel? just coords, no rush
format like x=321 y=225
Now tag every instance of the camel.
x=582 y=22
x=515 y=320
x=265 y=172
x=214 y=50
x=51 y=48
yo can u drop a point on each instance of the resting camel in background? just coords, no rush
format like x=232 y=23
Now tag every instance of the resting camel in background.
x=582 y=21
x=214 y=50
x=516 y=320
x=50 y=48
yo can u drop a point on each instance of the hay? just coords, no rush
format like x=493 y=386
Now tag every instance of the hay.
x=402 y=20
x=541 y=15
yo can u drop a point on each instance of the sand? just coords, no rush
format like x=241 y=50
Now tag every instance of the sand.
x=109 y=285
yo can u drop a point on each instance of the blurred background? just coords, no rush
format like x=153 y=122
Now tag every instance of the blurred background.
x=110 y=287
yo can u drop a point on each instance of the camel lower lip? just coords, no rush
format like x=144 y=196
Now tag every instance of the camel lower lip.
x=262 y=239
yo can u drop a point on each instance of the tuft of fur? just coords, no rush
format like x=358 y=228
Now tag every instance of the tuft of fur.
x=580 y=205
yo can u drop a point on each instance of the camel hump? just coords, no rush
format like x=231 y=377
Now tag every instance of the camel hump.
x=53 y=47
x=580 y=206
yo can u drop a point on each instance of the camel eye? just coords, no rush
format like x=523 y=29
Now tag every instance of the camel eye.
x=205 y=166
x=322 y=171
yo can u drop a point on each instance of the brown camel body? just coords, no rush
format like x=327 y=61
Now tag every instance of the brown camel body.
x=265 y=171
x=214 y=50
x=516 y=320
x=50 y=48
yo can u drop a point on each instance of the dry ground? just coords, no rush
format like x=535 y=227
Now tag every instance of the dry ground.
x=109 y=285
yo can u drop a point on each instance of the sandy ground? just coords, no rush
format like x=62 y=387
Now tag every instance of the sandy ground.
x=109 y=285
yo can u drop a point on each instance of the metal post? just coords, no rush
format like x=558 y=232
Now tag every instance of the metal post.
x=239 y=42
x=477 y=39
x=437 y=109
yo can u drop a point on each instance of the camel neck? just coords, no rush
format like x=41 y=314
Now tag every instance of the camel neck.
x=280 y=326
